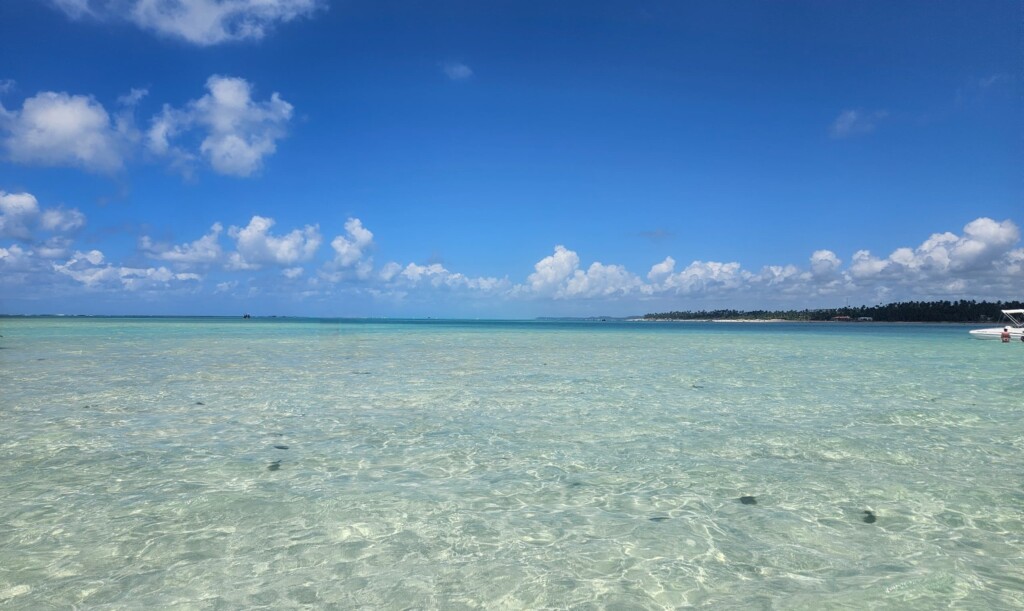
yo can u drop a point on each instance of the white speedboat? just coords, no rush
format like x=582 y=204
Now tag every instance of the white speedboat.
x=1014 y=326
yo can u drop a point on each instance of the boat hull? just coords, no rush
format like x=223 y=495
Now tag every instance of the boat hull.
x=997 y=332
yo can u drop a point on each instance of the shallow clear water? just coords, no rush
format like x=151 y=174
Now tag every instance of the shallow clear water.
x=212 y=463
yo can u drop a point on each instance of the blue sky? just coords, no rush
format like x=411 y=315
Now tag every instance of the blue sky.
x=506 y=159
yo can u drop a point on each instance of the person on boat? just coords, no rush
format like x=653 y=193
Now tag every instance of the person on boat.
x=1005 y=335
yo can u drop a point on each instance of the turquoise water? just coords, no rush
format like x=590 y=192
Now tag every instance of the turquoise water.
x=214 y=463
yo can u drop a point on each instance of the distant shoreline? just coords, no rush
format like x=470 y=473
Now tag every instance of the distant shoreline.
x=962 y=311
x=816 y=322
x=603 y=319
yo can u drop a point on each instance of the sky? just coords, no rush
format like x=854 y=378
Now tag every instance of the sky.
x=498 y=159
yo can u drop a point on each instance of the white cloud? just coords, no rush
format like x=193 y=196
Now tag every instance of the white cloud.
x=201 y=22
x=866 y=266
x=1015 y=263
x=982 y=261
x=90 y=270
x=389 y=271
x=226 y=127
x=349 y=250
x=256 y=247
x=22 y=218
x=856 y=122
x=704 y=276
x=551 y=272
x=58 y=129
x=601 y=281
x=238 y=133
x=456 y=71
x=54 y=248
x=61 y=220
x=205 y=250
x=436 y=276
x=777 y=275
x=17 y=211
x=350 y=254
x=977 y=251
x=558 y=275
x=15 y=257
x=660 y=271
x=824 y=263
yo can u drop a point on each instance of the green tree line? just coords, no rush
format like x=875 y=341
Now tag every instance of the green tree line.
x=904 y=311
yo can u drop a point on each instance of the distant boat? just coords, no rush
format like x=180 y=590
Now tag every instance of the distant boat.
x=1015 y=327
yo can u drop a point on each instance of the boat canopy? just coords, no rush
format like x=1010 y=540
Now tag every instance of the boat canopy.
x=1016 y=317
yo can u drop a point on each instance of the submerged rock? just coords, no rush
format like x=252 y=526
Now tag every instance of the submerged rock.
x=748 y=500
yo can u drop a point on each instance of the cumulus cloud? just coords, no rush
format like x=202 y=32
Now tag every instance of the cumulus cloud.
x=15 y=257
x=390 y=271
x=435 y=275
x=58 y=129
x=237 y=132
x=856 y=122
x=200 y=22
x=255 y=246
x=17 y=210
x=983 y=260
x=559 y=275
x=702 y=277
x=350 y=254
x=456 y=71
x=90 y=269
x=601 y=280
x=551 y=272
x=350 y=248
x=228 y=128
x=824 y=263
x=983 y=243
x=205 y=250
x=22 y=218
x=660 y=271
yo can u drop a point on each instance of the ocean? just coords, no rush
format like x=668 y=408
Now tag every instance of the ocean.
x=212 y=463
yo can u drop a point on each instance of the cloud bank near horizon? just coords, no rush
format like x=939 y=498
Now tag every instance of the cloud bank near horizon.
x=41 y=256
